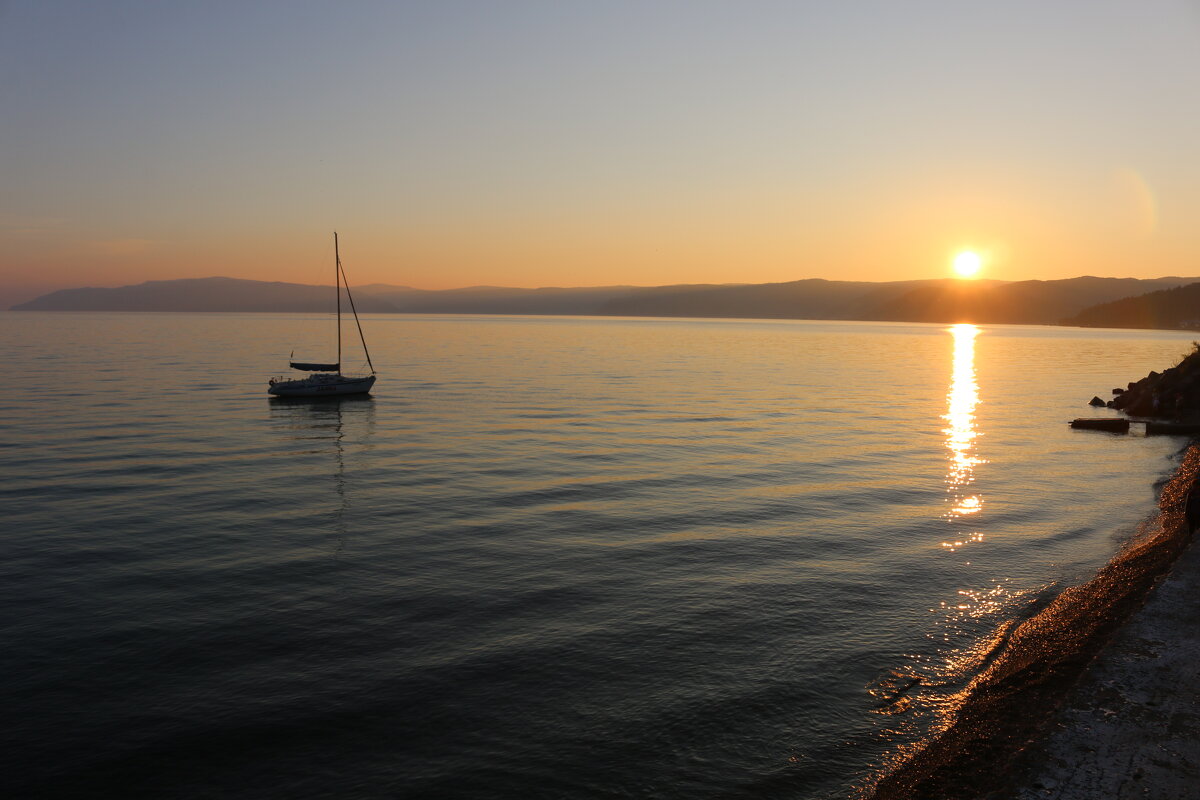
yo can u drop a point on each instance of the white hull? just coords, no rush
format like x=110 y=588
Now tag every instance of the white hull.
x=322 y=386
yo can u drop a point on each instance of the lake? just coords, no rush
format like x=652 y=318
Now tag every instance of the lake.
x=549 y=557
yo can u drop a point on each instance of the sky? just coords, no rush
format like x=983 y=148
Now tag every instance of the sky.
x=563 y=143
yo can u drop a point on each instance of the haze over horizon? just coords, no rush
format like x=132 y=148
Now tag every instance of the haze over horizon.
x=537 y=144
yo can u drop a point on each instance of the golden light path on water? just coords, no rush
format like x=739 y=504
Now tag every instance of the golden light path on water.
x=961 y=431
x=973 y=606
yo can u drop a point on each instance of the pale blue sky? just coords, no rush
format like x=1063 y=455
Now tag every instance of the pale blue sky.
x=569 y=143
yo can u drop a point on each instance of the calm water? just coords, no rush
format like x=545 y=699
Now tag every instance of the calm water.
x=552 y=557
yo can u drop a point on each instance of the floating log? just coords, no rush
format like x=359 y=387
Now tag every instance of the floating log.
x=1111 y=424
x=1172 y=429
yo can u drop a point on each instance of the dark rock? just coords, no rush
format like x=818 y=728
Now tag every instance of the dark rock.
x=1141 y=407
x=1192 y=508
x=1096 y=401
x=1173 y=393
x=1171 y=429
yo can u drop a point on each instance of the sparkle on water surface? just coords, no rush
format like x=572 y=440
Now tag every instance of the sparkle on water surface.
x=576 y=557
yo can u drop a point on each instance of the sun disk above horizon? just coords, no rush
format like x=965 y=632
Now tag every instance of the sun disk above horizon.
x=967 y=264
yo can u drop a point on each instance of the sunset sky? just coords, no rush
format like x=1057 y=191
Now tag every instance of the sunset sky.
x=572 y=144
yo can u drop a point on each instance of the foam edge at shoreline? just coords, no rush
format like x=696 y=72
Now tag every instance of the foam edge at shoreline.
x=1009 y=704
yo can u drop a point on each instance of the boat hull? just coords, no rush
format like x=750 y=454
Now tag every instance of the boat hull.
x=322 y=386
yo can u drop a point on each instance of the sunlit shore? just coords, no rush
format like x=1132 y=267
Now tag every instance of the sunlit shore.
x=1042 y=686
x=1129 y=727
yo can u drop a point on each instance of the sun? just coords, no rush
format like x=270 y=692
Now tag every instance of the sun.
x=967 y=264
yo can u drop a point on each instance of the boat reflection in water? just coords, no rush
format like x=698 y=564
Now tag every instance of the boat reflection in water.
x=961 y=433
x=318 y=428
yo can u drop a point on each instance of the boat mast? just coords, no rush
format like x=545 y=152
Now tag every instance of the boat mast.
x=361 y=338
x=337 y=277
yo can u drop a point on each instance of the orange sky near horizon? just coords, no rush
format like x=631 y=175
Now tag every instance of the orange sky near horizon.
x=631 y=144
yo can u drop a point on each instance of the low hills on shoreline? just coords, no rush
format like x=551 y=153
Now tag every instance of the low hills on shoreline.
x=1177 y=307
x=1169 y=302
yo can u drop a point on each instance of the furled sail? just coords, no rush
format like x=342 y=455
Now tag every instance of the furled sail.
x=310 y=367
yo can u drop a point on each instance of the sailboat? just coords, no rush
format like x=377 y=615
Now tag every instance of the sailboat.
x=327 y=379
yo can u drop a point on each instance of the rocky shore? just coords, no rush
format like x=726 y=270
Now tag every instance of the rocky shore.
x=1095 y=695
x=1171 y=394
x=1131 y=727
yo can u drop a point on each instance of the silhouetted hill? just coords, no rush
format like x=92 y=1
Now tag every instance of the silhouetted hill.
x=806 y=299
x=814 y=298
x=1026 y=302
x=200 y=294
x=1168 y=308
x=499 y=300
x=1034 y=302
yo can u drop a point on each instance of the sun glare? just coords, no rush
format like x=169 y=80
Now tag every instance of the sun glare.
x=967 y=264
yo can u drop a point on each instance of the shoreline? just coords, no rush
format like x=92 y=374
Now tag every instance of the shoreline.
x=1130 y=727
x=1011 y=705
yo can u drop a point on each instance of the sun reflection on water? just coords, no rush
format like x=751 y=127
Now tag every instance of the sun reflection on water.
x=961 y=430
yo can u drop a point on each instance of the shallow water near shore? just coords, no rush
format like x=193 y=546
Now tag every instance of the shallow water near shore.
x=549 y=557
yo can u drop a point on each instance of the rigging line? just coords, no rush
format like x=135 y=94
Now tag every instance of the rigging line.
x=350 y=297
x=338 y=293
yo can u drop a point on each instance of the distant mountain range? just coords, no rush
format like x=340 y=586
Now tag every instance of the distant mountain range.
x=1028 y=302
x=196 y=294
